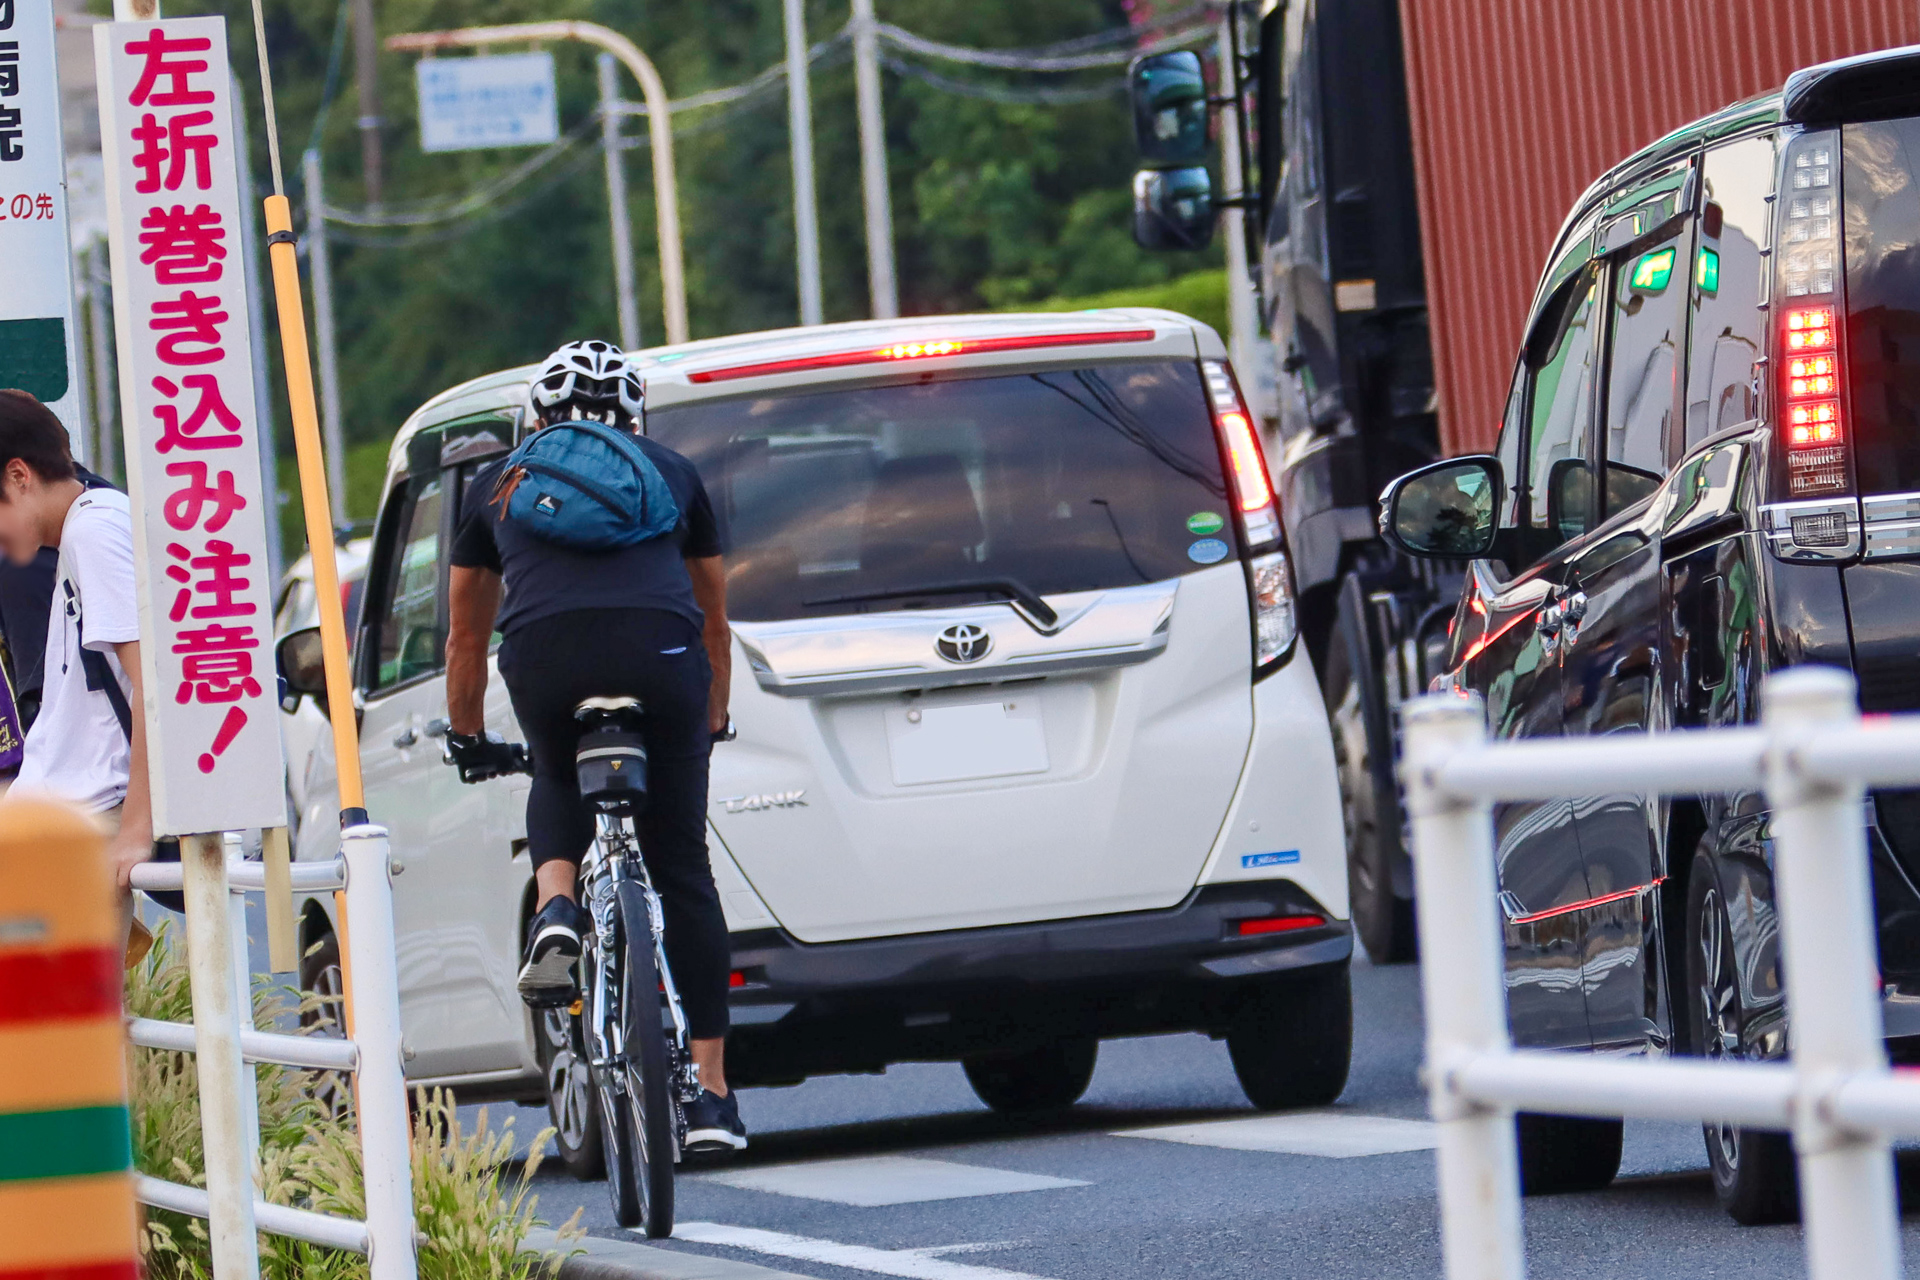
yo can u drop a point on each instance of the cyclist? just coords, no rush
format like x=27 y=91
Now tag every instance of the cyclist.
x=646 y=620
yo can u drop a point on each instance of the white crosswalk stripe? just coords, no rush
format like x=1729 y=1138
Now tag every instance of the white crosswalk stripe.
x=878 y=1180
x=915 y=1264
x=1341 y=1135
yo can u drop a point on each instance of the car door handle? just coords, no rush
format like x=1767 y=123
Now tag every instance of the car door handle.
x=1575 y=606
x=406 y=738
x=1549 y=620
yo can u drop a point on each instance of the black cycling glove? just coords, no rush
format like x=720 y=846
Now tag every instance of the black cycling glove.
x=484 y=755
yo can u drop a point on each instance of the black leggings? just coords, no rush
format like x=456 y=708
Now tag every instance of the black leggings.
x=550 y=665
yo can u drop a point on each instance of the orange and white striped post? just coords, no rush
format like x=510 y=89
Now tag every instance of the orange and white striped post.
x=66 y=1155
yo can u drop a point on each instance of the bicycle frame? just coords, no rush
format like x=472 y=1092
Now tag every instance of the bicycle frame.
x=613 y=858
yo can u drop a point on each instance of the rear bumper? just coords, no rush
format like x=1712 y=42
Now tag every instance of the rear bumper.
x=810 y=1009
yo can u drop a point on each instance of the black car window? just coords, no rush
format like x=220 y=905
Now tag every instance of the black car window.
x=1647 y=319
x=1728 y=286
x=1882 y=190
x=411 y=621
x=1562 y=353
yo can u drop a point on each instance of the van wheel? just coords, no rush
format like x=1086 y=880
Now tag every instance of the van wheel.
x=1383 y=919
x=1041 y=1079
x=573 y=1104
x=1566 y=1153
x=1753 y=1169
x=1291 y=1042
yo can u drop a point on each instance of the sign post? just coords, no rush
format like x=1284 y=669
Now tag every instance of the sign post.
x=174 y=225
x=37 y=334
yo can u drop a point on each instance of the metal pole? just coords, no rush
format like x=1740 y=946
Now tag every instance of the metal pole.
x=620 y=226
x=373 y=988
x=366 y=48
x=1243 y=313
x=105 y=416
x=321 y=266
x=806 y=208
x=216 y=1048
x=243 y=1011
x=257 y=322
x=666 y=195
x=1826 y=927
x=873 y=162
x=1461 y=977
x=82 y=432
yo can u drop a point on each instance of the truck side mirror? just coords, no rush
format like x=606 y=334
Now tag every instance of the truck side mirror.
x=1169 y=96
x=1447 y=510
x=1172 y=208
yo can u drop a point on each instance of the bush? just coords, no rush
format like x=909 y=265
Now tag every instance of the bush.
x=1200 y=294
x=471 y=1214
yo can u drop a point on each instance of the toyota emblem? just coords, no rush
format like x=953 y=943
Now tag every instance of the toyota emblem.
x=963 y=642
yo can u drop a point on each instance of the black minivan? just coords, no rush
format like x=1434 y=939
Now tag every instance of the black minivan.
x=1709 y=469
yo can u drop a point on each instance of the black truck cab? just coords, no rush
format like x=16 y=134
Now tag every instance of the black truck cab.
x=1709 y=469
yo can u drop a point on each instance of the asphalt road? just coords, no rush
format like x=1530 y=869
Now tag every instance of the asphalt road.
x=974 y=1196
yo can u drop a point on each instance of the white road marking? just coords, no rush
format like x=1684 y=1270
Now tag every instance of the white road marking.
x=1304 y=1133
x=916 y=1264
x=876 y=1180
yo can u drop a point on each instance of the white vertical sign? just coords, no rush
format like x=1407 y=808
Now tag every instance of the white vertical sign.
x=37 y=352
x=193 y=453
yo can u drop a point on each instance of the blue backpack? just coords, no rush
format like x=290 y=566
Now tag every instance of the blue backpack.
x=588 y=486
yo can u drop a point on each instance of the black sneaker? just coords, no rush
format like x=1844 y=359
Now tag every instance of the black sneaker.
x=553 y=949
x=713 y=1124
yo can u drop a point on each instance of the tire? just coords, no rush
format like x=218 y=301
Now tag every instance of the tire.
x=653 y=1116
x=1754 y=1175
x=1566 y=1153
x=1046 y=1078
x=1383 y=919
x=1291 y=1042
x=573 y=1103
x=323 y=1012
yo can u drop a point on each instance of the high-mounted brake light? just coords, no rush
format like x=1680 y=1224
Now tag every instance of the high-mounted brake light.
x=920 y=351
x=1810 y=358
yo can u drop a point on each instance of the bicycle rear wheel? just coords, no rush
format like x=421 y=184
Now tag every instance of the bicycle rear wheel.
x=619 y=1143
x=649 y=1093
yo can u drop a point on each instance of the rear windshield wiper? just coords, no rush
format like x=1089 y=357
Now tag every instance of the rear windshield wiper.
x=1030 y=605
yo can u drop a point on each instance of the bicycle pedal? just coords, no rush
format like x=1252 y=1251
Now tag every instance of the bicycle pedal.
x=577 y=1005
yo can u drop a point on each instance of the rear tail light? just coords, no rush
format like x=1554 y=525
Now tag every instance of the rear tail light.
x=1276 y=924
x=1810 y=356
x=1270 y=581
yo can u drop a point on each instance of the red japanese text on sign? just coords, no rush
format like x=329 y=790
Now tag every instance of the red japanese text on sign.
x=199 y=502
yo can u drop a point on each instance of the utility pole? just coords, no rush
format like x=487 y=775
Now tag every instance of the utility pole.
x=806 y=210
x=326 y=355
x=1243 y=313
x=620 y=228
x=873 y=162
x=366 y=48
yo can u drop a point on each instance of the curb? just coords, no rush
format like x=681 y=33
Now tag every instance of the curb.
x=598 y=1258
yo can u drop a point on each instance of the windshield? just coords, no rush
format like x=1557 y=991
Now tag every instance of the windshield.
x=1064 y=480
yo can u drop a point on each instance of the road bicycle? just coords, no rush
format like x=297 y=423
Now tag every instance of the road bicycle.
x=627 y=1025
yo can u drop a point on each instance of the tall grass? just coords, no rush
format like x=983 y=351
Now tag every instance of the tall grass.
x=470 y=1209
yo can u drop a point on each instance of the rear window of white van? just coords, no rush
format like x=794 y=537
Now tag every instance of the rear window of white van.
x=1062 y=480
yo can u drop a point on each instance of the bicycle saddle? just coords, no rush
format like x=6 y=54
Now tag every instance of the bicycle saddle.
x=617 y=713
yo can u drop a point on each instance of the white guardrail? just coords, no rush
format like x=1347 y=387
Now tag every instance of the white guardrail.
x=223 y=1032
x=1813 y=756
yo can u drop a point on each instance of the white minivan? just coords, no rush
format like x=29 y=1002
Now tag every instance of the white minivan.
x=1028 y=756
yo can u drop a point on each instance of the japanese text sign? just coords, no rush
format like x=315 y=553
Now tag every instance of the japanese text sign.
x=193 y=458
x=496 y=101
x=37 y=348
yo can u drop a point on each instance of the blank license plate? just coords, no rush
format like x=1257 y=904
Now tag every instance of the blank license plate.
x=956 y=744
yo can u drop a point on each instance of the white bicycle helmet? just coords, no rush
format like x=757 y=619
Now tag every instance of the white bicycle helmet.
x=592 y=375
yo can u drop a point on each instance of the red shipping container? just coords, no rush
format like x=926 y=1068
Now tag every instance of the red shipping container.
x=1518 y=105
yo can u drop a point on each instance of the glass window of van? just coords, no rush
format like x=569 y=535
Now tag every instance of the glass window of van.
x=1646 y=314
x=1061 y=480
x=1563 y=355
x=412 y=633
x=1728 y=285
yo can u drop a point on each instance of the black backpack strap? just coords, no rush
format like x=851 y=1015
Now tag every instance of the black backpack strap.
x=100 y=676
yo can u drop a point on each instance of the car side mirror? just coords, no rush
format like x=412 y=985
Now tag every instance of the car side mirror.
x=1168 y=92
x=302 y=666
x=1173 y=208
x=1446 y=510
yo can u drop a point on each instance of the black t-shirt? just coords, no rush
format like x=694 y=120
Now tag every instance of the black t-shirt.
x=544 y=578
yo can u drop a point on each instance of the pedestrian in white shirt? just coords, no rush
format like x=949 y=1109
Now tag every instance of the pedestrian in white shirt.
x=87 y=746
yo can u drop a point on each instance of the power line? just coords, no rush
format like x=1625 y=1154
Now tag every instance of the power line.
x=1008 y=94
